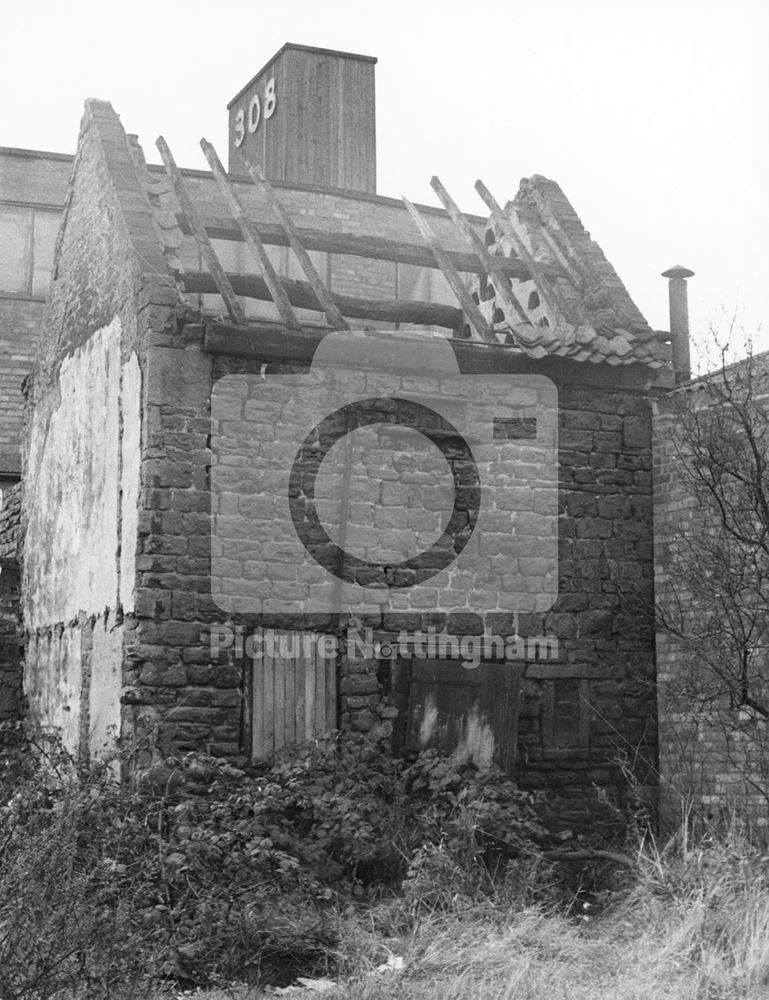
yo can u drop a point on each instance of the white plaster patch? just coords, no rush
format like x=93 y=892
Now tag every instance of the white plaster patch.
x=71 y=545
x=54 y=688
x=106 y=681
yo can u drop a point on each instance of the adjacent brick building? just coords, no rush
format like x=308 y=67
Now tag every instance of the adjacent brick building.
x=712 y=642
x=33 y=186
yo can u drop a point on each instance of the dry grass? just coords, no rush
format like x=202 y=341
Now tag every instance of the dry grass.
x=695 y=926
x=648 y=949
x=654 y=953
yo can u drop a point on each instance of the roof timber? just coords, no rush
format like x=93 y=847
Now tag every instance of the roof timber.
x=583 y=325
x=253 y=241
x=188 y=207
x=510 y=225
x=301 y=295
x=477 y=320
x=320 y=291
x=490 y=263
x=268 y=342
x=357 y=245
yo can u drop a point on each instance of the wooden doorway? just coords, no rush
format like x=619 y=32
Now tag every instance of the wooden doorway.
x=293 y=696
x=472 y=712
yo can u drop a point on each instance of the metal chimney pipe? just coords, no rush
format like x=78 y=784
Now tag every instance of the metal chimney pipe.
x=679 y=319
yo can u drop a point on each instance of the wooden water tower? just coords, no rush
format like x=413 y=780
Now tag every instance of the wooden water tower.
x=307 y=117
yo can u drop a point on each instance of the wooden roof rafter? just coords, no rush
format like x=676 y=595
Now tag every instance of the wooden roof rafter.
x=513 y=230
x=224 y=288
x=252 y=238
x=313 y=294
x=491 y=264
x=322 y=293
x=476 y=318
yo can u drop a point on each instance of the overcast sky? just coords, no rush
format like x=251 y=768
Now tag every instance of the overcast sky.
x=653 y=117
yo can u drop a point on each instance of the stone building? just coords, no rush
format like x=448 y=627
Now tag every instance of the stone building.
x=146 y=398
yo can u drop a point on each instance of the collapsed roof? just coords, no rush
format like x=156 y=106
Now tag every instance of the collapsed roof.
x=529 y=278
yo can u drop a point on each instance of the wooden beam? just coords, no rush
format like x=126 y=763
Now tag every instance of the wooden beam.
x=252 y=238
x=512 y=229
x=322 y=293
x=264 y=342
x=473 y=313
x=491 y=264
x=223 y=286
x=261 y=342
x=301 y=295
x=560 y=242
x=376 y=247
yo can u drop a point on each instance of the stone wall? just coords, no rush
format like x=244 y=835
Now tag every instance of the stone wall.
x=581 y=715
x=82 y=468
x=20 y=329
x=119 y=606
x=10 y=637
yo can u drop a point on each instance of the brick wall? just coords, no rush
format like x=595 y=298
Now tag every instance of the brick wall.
x=33 y=186
x=712 y=749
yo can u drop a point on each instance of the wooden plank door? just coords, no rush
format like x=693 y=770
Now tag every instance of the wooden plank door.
x=293 y=693
x=473 y=713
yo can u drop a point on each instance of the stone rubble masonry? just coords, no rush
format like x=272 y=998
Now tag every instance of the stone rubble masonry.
x=10 y=638
x=10 y=511
x=603 y=616
x=20 y=326
x=110 y=294
x=400 y=495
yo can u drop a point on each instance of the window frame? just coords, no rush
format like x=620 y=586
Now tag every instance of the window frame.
x=33 y=209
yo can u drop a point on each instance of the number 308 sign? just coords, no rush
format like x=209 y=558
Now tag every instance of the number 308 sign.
x=248 y=119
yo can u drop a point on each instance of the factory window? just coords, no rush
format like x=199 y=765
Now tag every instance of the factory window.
x=27 y=238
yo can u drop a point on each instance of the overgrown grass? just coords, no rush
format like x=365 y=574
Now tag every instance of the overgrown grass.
x=205 y=872
x=709 y=941
x=692 y=922
x=335 y=861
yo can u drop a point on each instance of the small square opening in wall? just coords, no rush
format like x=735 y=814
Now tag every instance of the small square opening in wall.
x=515 y=428
x=566 y=714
